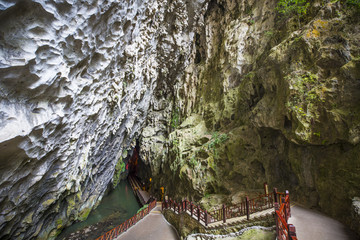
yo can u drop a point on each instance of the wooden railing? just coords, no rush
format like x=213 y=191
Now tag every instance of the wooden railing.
x=281 y=202
x=190 y=208
x=245 y=208
x=115 y=232
x=284 y=231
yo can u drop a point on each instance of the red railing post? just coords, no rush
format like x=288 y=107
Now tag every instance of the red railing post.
x=191 y=209
x=206 y=218
x=275 y=195
x=266 y=189
x=277 y=220
x=288 y=209
x=247 y=208
x=292 y=231
x=185 y=205
x=198 y=212
x=224 y=213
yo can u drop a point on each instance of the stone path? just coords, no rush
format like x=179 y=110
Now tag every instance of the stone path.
x=153 y=226
x=311 y=224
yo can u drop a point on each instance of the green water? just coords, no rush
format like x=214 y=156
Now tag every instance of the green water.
x=118 y=206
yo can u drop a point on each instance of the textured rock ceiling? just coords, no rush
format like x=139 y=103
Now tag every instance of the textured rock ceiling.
x=77 y=80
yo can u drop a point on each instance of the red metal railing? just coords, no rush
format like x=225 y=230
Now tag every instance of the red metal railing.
x=284 y=231
x=191 y=209
x=245 y=208
x=115 y=232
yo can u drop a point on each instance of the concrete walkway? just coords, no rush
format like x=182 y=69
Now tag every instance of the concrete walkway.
x=153 y=226
x=311 y=224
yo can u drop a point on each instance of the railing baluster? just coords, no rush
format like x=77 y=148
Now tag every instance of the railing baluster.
x=247 y=208
x=224 y=213
x=191 y=209
x=198 y=212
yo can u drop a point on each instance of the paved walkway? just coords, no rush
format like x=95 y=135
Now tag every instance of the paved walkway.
x=153 y=226
x=311 y=224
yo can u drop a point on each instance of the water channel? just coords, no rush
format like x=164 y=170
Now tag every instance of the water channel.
x=115 y=208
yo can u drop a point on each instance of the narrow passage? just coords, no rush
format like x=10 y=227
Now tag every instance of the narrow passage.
x=153 y=226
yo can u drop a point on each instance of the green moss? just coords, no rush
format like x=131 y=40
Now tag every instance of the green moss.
x=119 y=169
x=54 y=233
x=211 y=163
x=255 y=234
x=124 y=154
x=71 y=201
x=143 y=207
x=28 y=218
x=59 y=223
x=192 y=162
x=288 y=7
x=84 y=214
x=216 y=140
x=48 y=202
x=307 y=95
x=269 y=33
x=175 y=118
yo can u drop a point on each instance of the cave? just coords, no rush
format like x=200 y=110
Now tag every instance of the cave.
x=199 y=111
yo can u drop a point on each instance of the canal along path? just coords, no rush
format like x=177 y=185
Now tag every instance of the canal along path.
x=115 y=208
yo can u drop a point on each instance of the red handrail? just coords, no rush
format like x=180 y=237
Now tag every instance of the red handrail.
x=115 y=232
x=284 y=231
x=248 y=207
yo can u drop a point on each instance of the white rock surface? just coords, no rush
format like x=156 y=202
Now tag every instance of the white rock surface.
x=77 y=81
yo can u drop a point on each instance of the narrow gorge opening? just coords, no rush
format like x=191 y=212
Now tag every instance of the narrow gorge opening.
x=116 y=207
x=118 y=204
x=202 y=101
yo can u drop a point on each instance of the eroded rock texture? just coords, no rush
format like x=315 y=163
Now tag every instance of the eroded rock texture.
x=77 y=80
x=266 y=98
x=223 y=94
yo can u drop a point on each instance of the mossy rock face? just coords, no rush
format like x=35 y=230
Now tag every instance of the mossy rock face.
x=287 y=101
x=84 y=214
x=59 y=223
x=183 y=223
x=255 y=234
x=119 y=169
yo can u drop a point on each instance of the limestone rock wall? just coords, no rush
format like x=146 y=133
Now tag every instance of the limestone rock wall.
x=266 y=98
x=77 y=82
x=223 y=94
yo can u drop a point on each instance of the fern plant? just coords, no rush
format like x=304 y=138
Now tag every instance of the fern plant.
x=290 y=7
x=298 y=7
